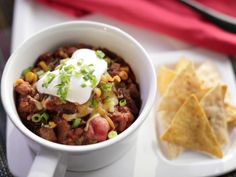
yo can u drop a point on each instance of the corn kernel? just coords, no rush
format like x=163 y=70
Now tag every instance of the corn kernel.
x=19 y=81
x=117 y=78
x=30 y=77
x=97 y=92
x=124 y=68
x=106 y=78
x=123 y=75
x=52 y=124
x=43 y=65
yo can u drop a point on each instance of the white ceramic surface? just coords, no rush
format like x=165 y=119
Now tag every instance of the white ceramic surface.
x=89 y=157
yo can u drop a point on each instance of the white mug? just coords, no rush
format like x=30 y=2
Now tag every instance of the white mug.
x=53 y=158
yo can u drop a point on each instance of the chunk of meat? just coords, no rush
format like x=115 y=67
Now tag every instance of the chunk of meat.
x=70 y=50
x=25 y=106
x=47 y=133
x=133 y=90
x=74 y=135
x=98 y=129
x=54 y=104
x=47 y=57
x=122 y=118
x=132 y=105
x=24 y=88
x=62 y=130
x=114 y=69
x=65 y=134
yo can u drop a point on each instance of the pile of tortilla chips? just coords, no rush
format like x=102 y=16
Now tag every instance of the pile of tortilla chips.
x=194 y=112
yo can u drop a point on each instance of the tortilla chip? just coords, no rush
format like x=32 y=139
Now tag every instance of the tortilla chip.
x=208 y=75
x=190 y=129
x=183 y=85
x=213 y=104
x=171 y=151
x=230 y=111
x=181 y=64
x=164 y=77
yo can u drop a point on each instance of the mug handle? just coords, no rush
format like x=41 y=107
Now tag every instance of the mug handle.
x=48 y=163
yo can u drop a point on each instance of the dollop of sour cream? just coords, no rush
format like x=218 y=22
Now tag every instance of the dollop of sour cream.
x=75 y=78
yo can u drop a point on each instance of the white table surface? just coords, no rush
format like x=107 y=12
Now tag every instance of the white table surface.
x=29 y=18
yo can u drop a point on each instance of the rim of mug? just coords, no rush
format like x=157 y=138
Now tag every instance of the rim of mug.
x=72 y=148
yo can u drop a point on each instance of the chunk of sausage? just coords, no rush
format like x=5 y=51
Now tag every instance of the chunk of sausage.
x=47 y=133
x=24 y=88
x=98 y=129
x=122 y=118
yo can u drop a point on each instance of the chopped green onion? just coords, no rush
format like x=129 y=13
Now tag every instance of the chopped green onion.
x=48 y=79
x=79 y=63
x=94 y=103
x=122 y=102
x=40 y=73
x=27 y=70
x=106 y=87
x=44 y=117
x=63 y=86
x=83 y=85
x=112 y=134
x=78 y=74
x=107 y=99
x=100 y=54
x=69 y=69
x=36 y=117
x=93 y=80
x=75 y=123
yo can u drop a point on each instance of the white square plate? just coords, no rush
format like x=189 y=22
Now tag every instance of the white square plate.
x=189 y=163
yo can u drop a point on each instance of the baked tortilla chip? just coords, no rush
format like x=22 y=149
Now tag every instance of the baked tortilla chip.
x=164 y=77
x=230 y=112
x=181 y=64
x=191 y=129
x=171 y=151
x=213 y=105
x=208 y=75
x=183 y=85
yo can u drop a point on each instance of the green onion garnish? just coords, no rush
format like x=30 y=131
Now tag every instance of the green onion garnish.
x=83 y=85
x=48 y=79
x=106 y=87
x=27 y=70
x=40 y=73
x=122 y=102
x=75 y=123
x=36 y=117
x=107 y=99
x=44 y=117
x=94 y=103
x=63 y=86
x=79 y=63
x=100 y=54
x=69 y=69
x=112 y=134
